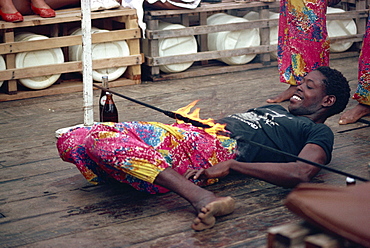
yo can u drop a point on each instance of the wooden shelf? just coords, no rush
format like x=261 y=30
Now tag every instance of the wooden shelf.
x=195 y=22
x=121 y=22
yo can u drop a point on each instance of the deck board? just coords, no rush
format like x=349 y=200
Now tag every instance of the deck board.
x=45 y=202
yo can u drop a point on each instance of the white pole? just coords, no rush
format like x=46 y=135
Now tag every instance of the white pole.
x=87 y=62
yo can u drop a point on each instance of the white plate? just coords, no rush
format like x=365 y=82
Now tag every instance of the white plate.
x=232 y=39
x=104 y=50
x=2 y=67
x=340 y=28
x=176 y=46
x=38 y=58
x=252 y=16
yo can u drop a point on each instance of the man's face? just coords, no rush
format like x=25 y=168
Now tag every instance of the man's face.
x=309 y=96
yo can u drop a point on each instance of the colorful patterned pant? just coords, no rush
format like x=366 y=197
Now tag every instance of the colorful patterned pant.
x=362 y=94
x=136 y=152
x=303 y=43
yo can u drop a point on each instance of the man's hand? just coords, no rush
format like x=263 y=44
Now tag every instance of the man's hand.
x=219 y=170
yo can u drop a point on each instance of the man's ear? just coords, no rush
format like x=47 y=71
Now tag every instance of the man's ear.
x=329 y=101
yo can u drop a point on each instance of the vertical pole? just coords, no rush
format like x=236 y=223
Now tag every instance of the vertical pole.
x=87 y=63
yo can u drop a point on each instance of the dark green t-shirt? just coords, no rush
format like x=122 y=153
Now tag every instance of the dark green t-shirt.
x=274 y=126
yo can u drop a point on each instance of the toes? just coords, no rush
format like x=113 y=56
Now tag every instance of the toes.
x=206 y=217
x=200 y=224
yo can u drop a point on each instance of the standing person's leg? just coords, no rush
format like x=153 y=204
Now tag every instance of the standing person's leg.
x=24 y=6
x=303 y=43
x=283 y=52
x=59 y=4
x=9 y=12
x=7 y=6
x=362 y=94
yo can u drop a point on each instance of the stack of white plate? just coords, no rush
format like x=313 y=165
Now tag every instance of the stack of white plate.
x=37 y=58
x=232 y=39
x=2 y=67
x=104 y=50
x=338 y=28
x=252 y=16
x=176 y=46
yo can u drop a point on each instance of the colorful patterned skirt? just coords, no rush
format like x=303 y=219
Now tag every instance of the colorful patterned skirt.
x=303 y=43
x=136 y=152
x=362 y=94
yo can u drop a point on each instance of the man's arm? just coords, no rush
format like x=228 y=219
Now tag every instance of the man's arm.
x=282 y=174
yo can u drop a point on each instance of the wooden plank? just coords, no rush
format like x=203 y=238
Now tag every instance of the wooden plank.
x=350 y=14
x=206 y=29
x=200 y=29
x=45 y=202
x=322 y=240
x=63 y=88
x=65 y=41
x=265 y=58
x=134 y=72
x=191 y=57
x=210 y=70
x=219 y=67
x=76 y=66
x=123 y=213
x=288 y=235
x=132 y=34
x=8 y=36
x=348 y=38
x=208 y=7
x=64 y=16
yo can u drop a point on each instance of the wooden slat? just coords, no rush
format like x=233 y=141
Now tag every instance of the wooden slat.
x=63 y=88
x=262 y=23
x=131 y=34
x=322 y=240
x=351 y=14
x=205 y=29
x=209 y=7
x=200 y=30
x=65 y=41
x=46 y=202
x=165 y=60
x=65 y=15
x=76 y=66
x=288 y=235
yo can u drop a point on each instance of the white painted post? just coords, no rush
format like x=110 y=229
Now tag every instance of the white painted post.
x=87 y=62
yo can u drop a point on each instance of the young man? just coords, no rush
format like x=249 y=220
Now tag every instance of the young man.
x=156 y=157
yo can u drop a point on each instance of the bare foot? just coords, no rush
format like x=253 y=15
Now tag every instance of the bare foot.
x=207 y=216
x=353 y=115
x=284 y=96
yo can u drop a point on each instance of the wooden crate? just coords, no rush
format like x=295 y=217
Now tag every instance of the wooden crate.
x=304 y=235
x=195 y=23
x=121 y=22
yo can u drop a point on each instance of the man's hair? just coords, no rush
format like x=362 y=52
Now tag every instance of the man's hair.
x=336 y=84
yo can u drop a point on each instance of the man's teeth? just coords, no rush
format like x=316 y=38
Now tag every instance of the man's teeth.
x=296 y=98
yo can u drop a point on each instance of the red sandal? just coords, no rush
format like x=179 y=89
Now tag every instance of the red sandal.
x=43 y=12
x=11 y=17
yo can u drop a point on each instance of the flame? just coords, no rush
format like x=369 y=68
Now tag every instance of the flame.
x=215 y=128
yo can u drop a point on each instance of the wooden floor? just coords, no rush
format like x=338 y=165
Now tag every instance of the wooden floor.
x=45 y=202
